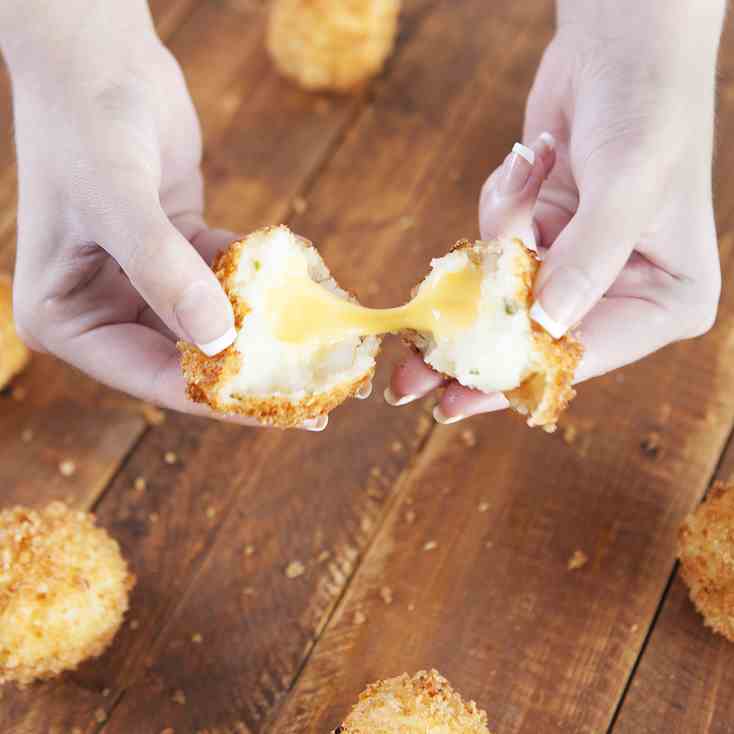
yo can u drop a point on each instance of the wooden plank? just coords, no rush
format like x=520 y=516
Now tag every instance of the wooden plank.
x=685 y=677
x=493 y=605
x=312 y=498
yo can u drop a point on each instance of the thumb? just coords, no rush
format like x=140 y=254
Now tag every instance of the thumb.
x=171 y=276
x=591 y=251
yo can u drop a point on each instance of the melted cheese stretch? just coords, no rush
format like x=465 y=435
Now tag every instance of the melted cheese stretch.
x=305 y=312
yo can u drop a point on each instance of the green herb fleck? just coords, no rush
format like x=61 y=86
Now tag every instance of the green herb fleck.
x=258 y=265
x=473 y=372
x=510 y=307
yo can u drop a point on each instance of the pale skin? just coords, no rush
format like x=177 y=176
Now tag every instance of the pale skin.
x=113 y=247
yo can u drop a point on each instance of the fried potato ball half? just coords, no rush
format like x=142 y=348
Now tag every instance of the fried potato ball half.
x=64 y=589
x=706 y=551
x=277 y=383
x=504 y=350
x=332 y=45
x=14 y=355
x=404 y=705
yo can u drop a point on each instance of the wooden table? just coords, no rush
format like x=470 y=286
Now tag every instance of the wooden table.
x=422 y=546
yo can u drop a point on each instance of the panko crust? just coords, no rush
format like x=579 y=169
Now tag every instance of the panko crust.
x=408 y=705
x=204 y=375
x=64 y=589
x=706 y=552
x=546 y=393
x=14 y=355
x=333 y=45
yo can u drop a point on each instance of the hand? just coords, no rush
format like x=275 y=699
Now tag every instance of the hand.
x=112 y=245
x=626 y=213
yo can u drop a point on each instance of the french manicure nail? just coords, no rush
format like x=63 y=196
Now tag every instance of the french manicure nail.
x=561 y=300
x=517 y=169
x=364 y=392
x=440 y=417
x=317 y=424
x=396 y=401
x=219 y=345
x=205 y=317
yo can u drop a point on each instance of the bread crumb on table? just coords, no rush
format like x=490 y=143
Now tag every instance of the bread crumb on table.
x=67 y=468
x=430 y=545
x=578 y=560
x=294 y=569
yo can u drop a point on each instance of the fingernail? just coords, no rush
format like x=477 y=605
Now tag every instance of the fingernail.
x=205 y=317
x=445 y=420
x=548 y=139
x=559 y=303
x=396 y=401
x=364 y=392
x=317 y=424
x=517 y=169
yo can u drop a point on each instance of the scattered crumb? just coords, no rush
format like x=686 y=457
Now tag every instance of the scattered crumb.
x=483 y=506
x=134 y=624
x=249 y=550
x=106 y=692
x=211 y=512
x=100 y=715
x=652 y=445
x=168 y=731
x=67 y=468
x=396 y=447
x=153 y=416
x=26 y=435
x=179 y=697
x=578 y=560
x=248 y=591
x=323 y=556
x=569 y=434
x=154 y=517
x=430 y=545
x=376 y=472
x=197 y=638
x=299 y=205
x=406 y=223
x=411 y=607
x=19 y=393
x=410 y=517
x=294 y=569
x=359 y=617
x=77 y=730
x=386 y=594
x=140 y=484
x=634 y=628
x=170 y=457
x=469 y=438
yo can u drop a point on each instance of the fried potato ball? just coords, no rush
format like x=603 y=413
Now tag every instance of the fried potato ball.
x=706 y=551
x=332 y=44
x=279 y=384
x=64 y=590
x=404 y=705
x=504 y=350
x=14 y=355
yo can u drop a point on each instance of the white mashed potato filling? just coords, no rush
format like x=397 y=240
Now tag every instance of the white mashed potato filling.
x=496 y=352
x=271 y=367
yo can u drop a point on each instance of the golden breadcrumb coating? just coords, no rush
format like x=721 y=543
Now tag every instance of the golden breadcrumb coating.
x=418 y=705
x=205 y=375
x=546 y=392
x=706 y=551
x=14 y=355
x=332 y=44
x=64 y=590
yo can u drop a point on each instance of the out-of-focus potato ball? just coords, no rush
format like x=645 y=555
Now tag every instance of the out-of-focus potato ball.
x=14 y=355
x=64 y=589
x=706 y=550
x=332 y=44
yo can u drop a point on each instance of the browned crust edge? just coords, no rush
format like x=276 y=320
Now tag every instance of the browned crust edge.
x=14 y=355
x=708 y=574
x=205 y=374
